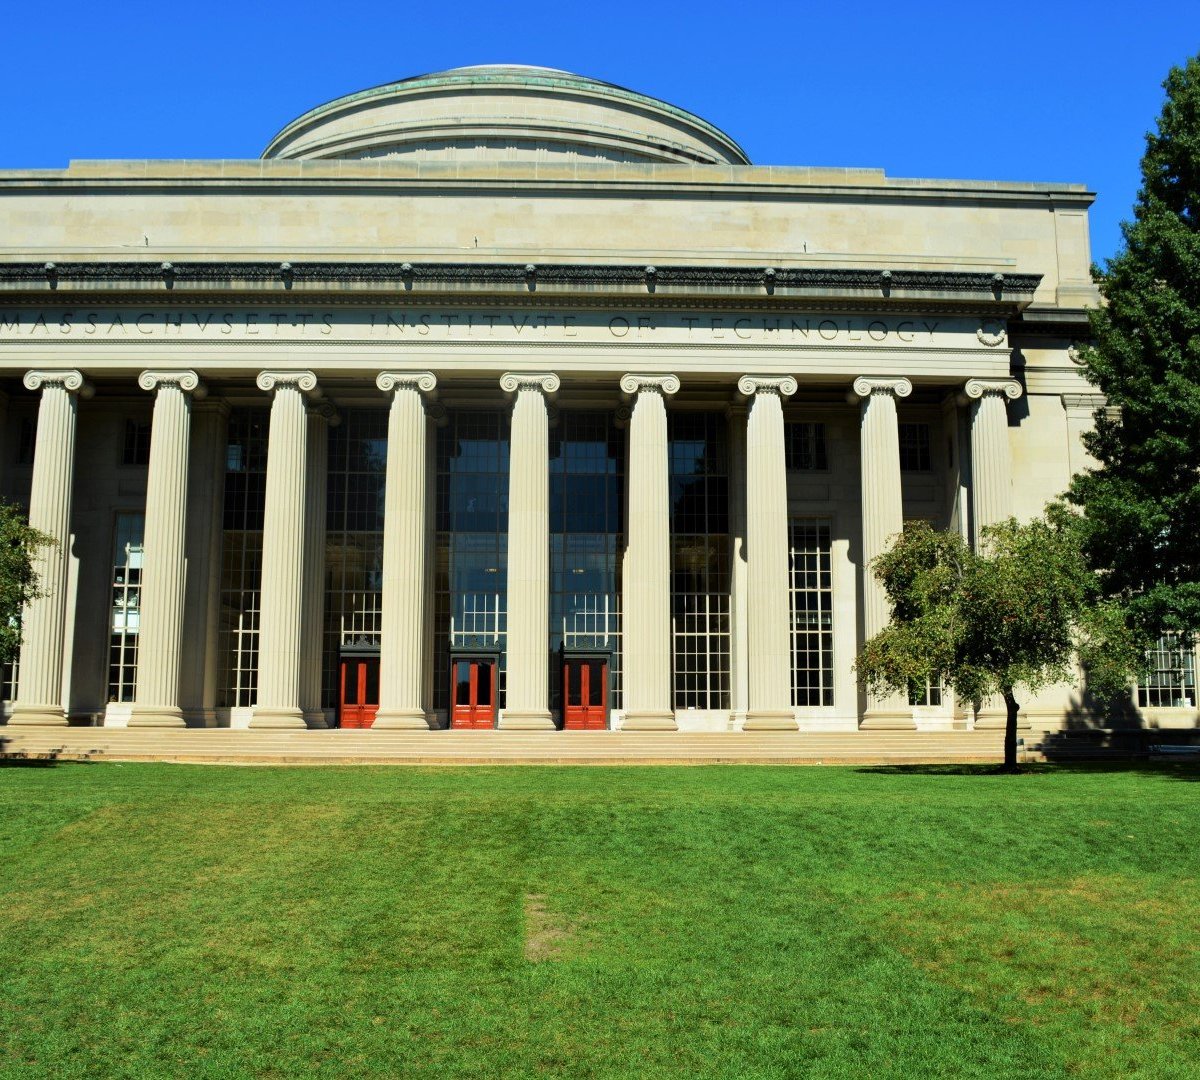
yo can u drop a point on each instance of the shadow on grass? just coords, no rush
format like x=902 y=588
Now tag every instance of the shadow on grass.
x=1171 y=770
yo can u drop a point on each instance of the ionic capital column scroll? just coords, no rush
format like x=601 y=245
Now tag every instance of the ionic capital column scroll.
x=281 y=628
x=402 y=641
x=882 y=518
x=646 y=574
x=40 y=676
x=527 y=700
x=770 y=647
x=156 y=696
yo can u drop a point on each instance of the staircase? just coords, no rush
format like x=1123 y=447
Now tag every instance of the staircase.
x=365 y=747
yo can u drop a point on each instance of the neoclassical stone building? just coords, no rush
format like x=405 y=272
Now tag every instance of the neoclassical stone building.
x=506 y=397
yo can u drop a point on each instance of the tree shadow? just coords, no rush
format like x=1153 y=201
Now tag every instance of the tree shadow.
x=1187 y=771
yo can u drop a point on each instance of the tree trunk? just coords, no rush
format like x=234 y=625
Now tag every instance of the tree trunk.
x=1010 y=731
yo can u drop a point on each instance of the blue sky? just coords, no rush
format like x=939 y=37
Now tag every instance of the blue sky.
x=1015 y=91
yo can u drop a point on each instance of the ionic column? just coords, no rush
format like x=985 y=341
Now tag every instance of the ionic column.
x=402 y=644
x=321 y=417
x=156 y=701
x=280 y=626
x=527 y=701
x=770 y=627
x=39 y=686
x=991 y=487
x=202 y=547
x=882 y=519
x=991 y=455
x=646 y=573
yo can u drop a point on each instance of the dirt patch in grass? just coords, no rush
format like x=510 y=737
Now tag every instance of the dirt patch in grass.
x=547 y=936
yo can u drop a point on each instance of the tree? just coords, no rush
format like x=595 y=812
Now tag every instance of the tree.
x=1140 y=527
x=18 y=577
x=1016 y=613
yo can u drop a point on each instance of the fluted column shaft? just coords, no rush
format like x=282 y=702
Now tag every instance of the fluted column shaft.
x=646 y=577
x=882 y=519
x=281 y=626
x=156 y=700
x=39 y=685
x=991 y=455
x=312 y=643
x=991 y=487
x=527 y=701
x=404 y=547
x=770 y=638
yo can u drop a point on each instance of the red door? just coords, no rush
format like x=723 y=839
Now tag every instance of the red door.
x=585 y=694
x=473 y=693
x=359 y=690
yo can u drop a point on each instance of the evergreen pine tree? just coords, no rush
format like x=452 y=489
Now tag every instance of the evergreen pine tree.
x=1141 y=524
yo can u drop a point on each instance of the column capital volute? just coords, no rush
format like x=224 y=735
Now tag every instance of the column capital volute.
x=70 y=380
x=974 y=389
x=324 y=410
x=866 y=385
x=782 y=385
x=187 y=381
x=304 y=381
x=424 y=382
x=545 y=382
x=633 y=384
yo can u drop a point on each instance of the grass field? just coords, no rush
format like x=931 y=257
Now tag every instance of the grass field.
x=161 y=920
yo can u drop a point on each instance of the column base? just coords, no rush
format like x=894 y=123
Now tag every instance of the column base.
x=314 y=720
x=200 y=718
x=521 y=720
x=770 y=720
x=37 y=716
x=887 y=720
x=649 y=720
x=401 y=720
x=267 y=719
x=156 y=716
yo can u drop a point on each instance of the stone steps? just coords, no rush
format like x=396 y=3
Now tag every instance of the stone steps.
x=509 y=747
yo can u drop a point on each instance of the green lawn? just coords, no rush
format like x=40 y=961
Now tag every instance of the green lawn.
x=161 y=920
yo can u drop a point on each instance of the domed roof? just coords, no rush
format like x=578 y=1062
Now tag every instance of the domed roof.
x=504 y=112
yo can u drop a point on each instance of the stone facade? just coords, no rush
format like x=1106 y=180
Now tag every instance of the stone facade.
x=207 y=364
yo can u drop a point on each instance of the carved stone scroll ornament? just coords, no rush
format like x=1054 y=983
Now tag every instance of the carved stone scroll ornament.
x=304 y=381
x=976 y=388
x=424 y=381
x=187 y=381
x=784 y=386
x=991 y=333
x=70 y=380
x=661 y=384
x=511 y=382
x=866 y=385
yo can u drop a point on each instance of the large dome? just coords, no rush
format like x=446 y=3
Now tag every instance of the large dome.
x=504 y=112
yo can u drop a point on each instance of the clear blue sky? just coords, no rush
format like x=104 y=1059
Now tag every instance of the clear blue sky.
x=1013 y=91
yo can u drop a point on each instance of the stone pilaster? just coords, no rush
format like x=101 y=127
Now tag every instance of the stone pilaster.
x=770 y=622
x=991 y=486
x=882 y=519
x=1081 y=412
x=280 y=628
x=404 y=551
x=527 y=701
x=991 y=455
x=646 y=576
x=202 y=592
x=156 y=700
x=321 y=417
x=40 y=676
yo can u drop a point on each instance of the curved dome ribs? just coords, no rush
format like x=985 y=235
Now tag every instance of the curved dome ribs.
x=506 y=112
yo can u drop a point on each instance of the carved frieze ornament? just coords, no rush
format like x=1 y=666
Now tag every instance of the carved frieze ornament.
x=70 y=380
x=992 y=332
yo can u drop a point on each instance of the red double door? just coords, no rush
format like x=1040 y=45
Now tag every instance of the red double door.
x=473 y=692
x=358 y=690
x=585 y=694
